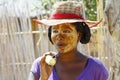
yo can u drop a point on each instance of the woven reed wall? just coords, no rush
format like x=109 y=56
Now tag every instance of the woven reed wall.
x=22 y=41
x=112 y=21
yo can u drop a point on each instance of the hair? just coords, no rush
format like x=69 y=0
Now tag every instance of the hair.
x=81 y=27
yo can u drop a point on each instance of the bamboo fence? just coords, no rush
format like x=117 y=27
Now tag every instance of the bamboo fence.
x=112 y=21
x=22 y=41
x=16 y=43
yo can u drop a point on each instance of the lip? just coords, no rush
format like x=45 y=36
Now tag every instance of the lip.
x=60 y=44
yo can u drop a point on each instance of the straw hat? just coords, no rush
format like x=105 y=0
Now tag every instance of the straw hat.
x=67 y=12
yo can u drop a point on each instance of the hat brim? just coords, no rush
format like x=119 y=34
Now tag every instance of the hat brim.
x=51 y=22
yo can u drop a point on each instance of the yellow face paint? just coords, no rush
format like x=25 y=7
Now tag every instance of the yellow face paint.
x=64 y=37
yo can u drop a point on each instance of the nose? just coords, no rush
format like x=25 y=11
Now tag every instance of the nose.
x=60 y=36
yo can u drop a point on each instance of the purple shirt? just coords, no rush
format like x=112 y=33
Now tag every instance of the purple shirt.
x=94 y=70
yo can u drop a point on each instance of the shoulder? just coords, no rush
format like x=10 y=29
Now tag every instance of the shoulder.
x=95 y=62
x=37 y=61
x=99 y=68
x=35 y=69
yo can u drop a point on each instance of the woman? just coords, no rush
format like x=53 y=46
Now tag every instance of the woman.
x=67 y=28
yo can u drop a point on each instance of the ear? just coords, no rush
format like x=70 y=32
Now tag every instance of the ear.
x=79 y=36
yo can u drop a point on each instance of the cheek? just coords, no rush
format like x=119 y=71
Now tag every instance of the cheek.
x=72 y=39
x=53 y=38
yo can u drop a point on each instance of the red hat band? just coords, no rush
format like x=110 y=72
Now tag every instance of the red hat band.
x=66 y=16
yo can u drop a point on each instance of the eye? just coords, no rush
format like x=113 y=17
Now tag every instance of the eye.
x=66 y=31
x=55 y=31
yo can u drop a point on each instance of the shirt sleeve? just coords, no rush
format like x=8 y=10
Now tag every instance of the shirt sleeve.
x=102 y=72
x=35 y=69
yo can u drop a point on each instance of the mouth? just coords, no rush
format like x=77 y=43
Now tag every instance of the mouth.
x=60 y=45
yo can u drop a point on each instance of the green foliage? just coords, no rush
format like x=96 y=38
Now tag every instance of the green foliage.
x=47 y=4
x=91 y=9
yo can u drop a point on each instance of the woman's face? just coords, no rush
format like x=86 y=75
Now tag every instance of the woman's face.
x=64 y=37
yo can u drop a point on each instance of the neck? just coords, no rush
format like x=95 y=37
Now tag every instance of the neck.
x=68 y=56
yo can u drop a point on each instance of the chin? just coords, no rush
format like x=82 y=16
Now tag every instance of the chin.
x=63 y=51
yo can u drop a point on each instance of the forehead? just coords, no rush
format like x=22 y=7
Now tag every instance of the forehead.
x=64 y=26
